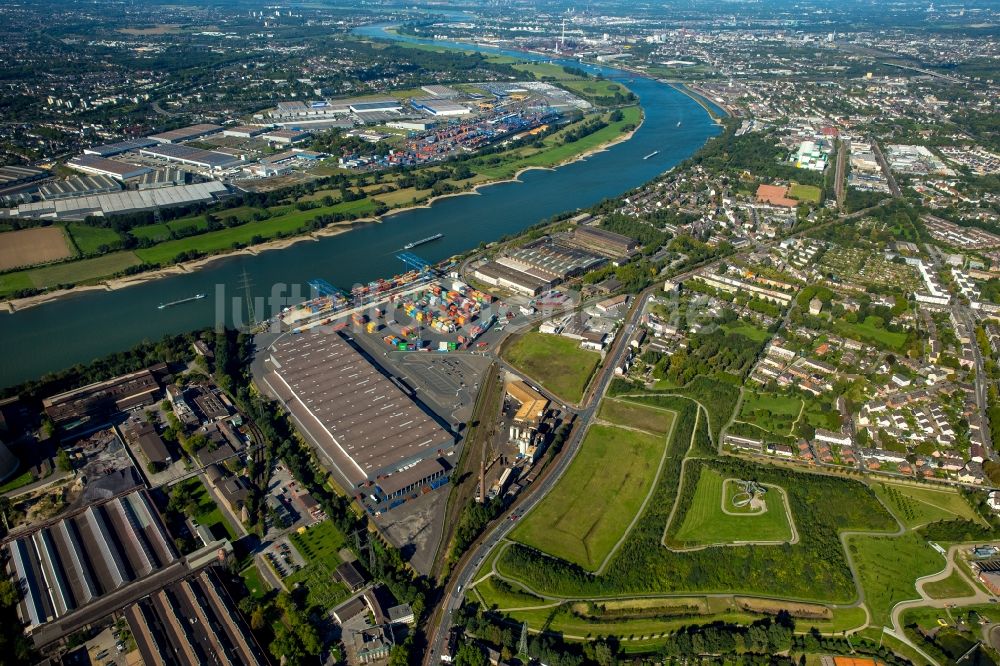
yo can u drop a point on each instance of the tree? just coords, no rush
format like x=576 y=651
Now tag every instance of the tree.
x=63 y=461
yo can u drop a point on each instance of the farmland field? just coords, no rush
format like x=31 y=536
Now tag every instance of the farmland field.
x=588 y=511
x=706 y=523
x=650 y=419
x=28 y=247
x=557 y=363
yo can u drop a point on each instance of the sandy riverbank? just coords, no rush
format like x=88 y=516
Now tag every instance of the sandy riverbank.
x=15 y=305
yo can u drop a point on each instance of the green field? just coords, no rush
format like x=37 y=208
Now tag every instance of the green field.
x=224 y=239
x=90 y=240
x=153 y=232
x=319 y=545
x=19 y=481
x=809 y=193
x=75 y=272
x=650 y=419
x=594 y=89
x=705 y=522
x=919 y=505
x=16 y=281
x=953 y=586
x=496 y=592
x=887 y=568
x=771 y=412
x=869 y=330
x=208 y=514
x=255 y=585
x=556 y=362
x=589 y=510
x=747 y=331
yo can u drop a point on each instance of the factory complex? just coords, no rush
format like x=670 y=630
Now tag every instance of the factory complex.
x=85 y=556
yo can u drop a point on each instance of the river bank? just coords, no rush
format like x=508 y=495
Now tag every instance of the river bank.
x=193 y=265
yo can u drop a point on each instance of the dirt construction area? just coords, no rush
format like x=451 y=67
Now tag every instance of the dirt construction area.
x=28 y=247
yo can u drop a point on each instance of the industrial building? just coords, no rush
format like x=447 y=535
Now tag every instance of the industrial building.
x=14 y=179
x=244 y=131
x=497 y=275
x=532 y=404
x=119 y=147
x=91 y=404
x=77 y=208
x=368 y=427
x=186 y=133
x=604 y=241
x=78 y=186
x=286 y=137
x=439 y=107
x=102 y=166
x=192 y=621
x=165 y=177
x=443 y=92
x=204 y=159
x=369 y=105
x=550 y=260
x=64 y=566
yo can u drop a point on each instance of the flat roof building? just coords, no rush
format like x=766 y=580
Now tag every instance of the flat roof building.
x=244 y=131
x=109 y=149
x=102 y=166
x=205 y=159
x=439 y=107
x=186 y=133
x=286 y=137
x=364 y=423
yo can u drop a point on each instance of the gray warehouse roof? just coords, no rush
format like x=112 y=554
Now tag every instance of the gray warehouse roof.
x=370 y=419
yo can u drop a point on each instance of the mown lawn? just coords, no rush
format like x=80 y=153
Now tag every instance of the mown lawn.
x=589 y=510
x=951 y=587
x=809 y=193
x=556 y=362
x=706 y=523
x=554 y=152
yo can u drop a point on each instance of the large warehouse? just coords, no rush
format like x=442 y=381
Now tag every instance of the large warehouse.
x=365 y=424
x=205 y=159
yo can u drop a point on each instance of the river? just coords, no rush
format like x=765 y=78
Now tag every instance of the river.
x=82 y=327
